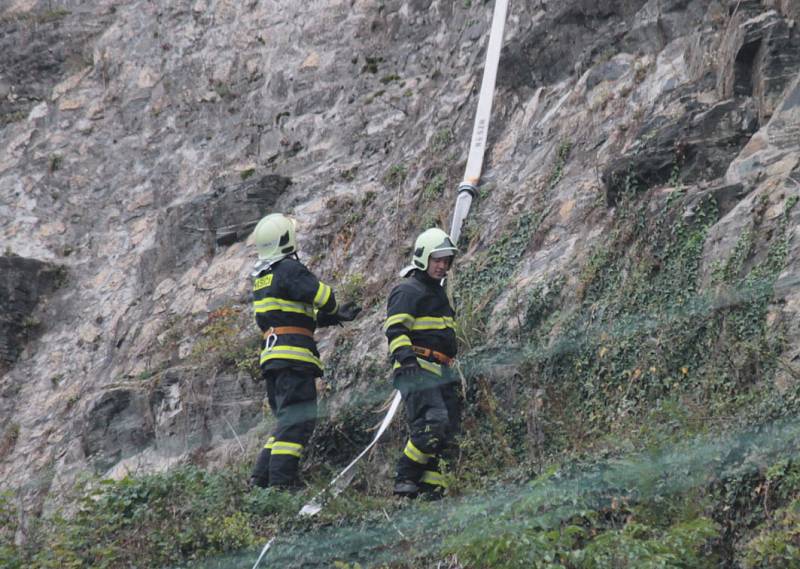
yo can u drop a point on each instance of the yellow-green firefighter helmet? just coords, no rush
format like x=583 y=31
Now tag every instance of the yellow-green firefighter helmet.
x=431 y=242
x=274 y=237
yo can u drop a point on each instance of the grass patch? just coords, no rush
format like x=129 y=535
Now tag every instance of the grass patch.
x=12 y=117
x=562 y=155
x=226 y=341
x=395 y=176
x=440 y=140
x=478 y=284
x=9 y=439
x=434 y=189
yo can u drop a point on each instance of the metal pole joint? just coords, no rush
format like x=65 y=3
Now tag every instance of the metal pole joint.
x=467 y=187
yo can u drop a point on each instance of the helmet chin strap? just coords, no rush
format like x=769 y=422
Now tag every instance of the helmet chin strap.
x=405 y=271
x=262 y=265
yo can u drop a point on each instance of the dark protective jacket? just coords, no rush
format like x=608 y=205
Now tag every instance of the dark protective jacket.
x=286 y=293
x=419 y=314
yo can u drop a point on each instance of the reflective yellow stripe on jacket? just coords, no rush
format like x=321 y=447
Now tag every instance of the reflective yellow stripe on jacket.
x=399 y=342
x=420 y=323
x=405 y=319
x=323 y=295
x=271 y=303
x=291 y=353
x=433 y=323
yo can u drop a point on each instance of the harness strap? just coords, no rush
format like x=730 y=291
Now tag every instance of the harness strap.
x=439 y=357
x=280 y=330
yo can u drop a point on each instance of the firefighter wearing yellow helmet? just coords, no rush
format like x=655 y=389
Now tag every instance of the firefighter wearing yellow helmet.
x=422 y=342
x=289 y=304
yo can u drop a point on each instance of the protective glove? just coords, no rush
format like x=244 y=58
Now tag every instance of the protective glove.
x=348 y=311
x=406 y=377
x=408 y=368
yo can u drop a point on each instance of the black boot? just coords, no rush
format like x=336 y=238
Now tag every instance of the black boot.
x=260 y=475
x=406 y=489
x=431 y=492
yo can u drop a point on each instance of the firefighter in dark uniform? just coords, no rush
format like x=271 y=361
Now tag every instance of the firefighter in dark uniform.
x=289 y=303
x=422 y=343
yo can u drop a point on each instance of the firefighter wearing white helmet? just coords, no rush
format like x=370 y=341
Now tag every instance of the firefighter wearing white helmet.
x=420 y=328
x=275 y=237
x=431 y=242
x=289 y=304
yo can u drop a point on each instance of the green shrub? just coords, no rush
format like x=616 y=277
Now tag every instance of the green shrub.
x=777 y=544
x=9 y=554
x=395 y=176
x=434 y=189
x=155 y=520
x=638 y=546
x=228 y=339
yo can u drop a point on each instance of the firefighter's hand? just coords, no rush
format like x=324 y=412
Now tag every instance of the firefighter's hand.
x=407 y=369
x=348 y=311
x=406 y=376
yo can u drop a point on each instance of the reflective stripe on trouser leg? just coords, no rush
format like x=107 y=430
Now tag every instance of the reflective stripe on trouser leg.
x=286 y=447
x=284 y=463
x=295 y=397
x=427 y=417
x=433 y=478
x=408 y=470
x=415 y=454
x=428 y=421
x=260 y=474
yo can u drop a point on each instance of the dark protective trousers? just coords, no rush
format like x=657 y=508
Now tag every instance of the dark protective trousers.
x=433 y=410
x=292 y=396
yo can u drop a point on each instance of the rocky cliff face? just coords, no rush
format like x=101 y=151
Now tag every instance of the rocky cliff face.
x=142 y=141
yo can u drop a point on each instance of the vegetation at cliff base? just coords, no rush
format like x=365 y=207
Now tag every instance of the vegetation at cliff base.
x=640 y=427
